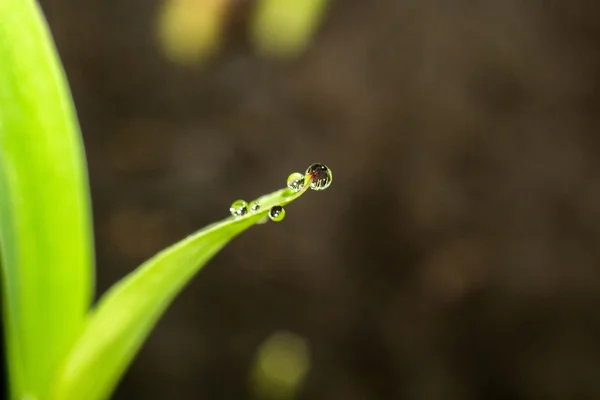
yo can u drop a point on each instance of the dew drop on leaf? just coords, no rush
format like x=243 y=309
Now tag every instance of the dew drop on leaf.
x=321 y=176
x=276 y=213
x=295 y=182
x=254 y=206
x=239 y=208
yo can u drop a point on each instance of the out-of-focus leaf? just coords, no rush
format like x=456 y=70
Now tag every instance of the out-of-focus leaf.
x=285 y=28
x=281 y=364
x=189 y=31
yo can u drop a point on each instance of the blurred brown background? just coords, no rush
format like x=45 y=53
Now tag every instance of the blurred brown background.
x=455 y=256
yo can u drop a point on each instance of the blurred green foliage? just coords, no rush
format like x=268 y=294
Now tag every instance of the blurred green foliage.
x=281 y=364
x=190 y=31
x=285 y=28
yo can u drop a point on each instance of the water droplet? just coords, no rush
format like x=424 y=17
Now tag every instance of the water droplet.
x=295 y=181
x=254 y=206
x=277 y=213
x=322 y=176
x=239 y=208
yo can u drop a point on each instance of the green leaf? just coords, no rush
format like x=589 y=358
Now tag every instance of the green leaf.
x=45 y=227
x=125 y=315
x=285 y=28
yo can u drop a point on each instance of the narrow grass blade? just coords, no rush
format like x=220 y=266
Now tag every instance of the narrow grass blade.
x=45 y=228
x=126 y=314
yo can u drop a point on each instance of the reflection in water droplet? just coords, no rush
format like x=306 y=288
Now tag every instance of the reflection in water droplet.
x=321 y=175
x=295 y=181
x=239 y=208
x=277 y=213
x=254 y=206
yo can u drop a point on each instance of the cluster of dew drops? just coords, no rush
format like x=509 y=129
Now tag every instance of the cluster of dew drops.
x=321 y=179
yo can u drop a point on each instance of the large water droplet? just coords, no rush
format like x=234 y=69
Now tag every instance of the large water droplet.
x=321 y=175
x=254 y=206
x=295 y=181
x=276 y=213
x=239 y=208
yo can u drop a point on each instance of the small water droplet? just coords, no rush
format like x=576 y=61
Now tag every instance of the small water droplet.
x=239 y=208
x=295 y=181
x=254 y=206
x=277 y=213
x=322 y=176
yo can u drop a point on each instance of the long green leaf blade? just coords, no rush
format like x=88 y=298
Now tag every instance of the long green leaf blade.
x=126 y=313
x=45 y=228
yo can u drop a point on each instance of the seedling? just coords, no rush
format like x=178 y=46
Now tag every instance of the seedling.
x=60 y=346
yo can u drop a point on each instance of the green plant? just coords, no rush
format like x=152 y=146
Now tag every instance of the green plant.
x=59 y=347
